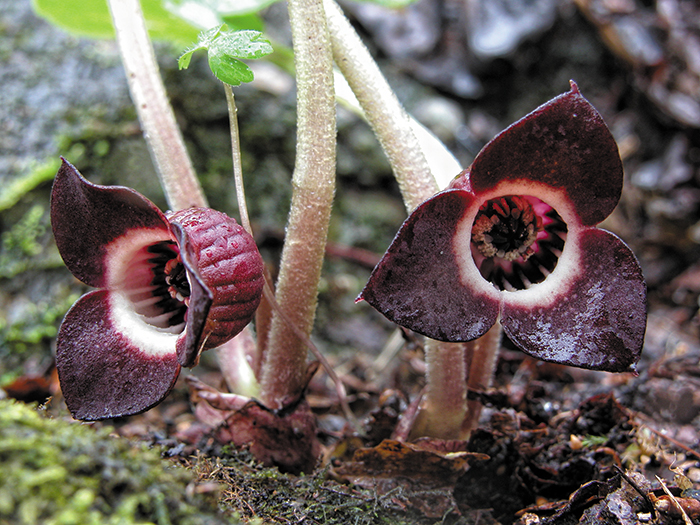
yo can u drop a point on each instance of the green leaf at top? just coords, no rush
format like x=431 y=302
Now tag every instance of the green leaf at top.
x=229 y=70
x=204 y=40
x=226 y=48
x=240 y=44
x=91 y=18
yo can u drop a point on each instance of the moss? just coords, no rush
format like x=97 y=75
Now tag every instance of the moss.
x=39 y=173
x=264 y=495
x=57 y=472
x=22 y=247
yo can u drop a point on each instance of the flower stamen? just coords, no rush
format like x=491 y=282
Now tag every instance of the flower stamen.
x=517 y=241
x=176 y=277
x=506 y=228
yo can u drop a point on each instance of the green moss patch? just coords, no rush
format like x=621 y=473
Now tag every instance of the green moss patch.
x=58 y=472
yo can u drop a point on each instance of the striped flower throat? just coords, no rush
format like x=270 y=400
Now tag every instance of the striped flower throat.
x=517 y=241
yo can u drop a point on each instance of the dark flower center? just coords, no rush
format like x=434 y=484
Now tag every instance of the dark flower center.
x=176 y=279
x=506 y=228
x=517 y=241
x=156 y=285
x=170 y=282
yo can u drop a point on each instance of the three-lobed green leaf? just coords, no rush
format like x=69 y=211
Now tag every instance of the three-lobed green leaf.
x=226 y=48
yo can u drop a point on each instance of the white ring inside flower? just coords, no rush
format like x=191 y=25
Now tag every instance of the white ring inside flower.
x=517 y=241
x=143 y=335
x=146 y=271
x=537 y=294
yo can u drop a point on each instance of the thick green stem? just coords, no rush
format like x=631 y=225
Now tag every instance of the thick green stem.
x=160 y=129
x=313 y=183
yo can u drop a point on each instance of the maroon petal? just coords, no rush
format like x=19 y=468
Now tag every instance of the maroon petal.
x=89 y=221
x=596 y=317
x=563 y=145
x=417 y=283
x=225 y=271
x=110 y=363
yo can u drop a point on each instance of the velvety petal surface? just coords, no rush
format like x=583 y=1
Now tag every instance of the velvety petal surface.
x=563 y=145
x=417 y=283
x=93 y=223
x=109 y=362
x=598 y=319
x=225 y=271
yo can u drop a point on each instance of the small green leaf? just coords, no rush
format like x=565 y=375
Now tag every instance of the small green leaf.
x=226 y=48
x=184 y=61
x=204 y=40
x=229 y=70
x=241 y=44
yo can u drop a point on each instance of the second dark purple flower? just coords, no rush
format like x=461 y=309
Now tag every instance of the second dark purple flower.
x=169 y=288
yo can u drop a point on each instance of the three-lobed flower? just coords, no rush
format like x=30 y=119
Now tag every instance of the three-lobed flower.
x=169 y=287
x=513 y=239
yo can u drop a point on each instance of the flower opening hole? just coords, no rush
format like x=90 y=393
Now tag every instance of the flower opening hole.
x=517 y=241
x=158 y=287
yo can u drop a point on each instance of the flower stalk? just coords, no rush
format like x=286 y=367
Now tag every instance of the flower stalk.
x=283 y=372
x=444 y=406
x=482 y=358
x=173 y=164
x=236 y=154
x=384 y=112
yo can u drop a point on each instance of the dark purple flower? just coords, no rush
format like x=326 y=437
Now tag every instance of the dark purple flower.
x=514 y=239
x=169 y=287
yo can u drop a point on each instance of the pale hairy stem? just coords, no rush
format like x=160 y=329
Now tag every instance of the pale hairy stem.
x=268 y=293
x=444 y=406
x=482 y=356
x=239 y=359
x=313 y=183
x=444 y=412
x=160 y=129
x=383 y=110
x=339 y=386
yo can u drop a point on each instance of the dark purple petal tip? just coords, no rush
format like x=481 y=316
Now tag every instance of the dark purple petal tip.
x=417 y=283
x=563 y=145
x=87 y=219
x=598 y=318
x=109 y=363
